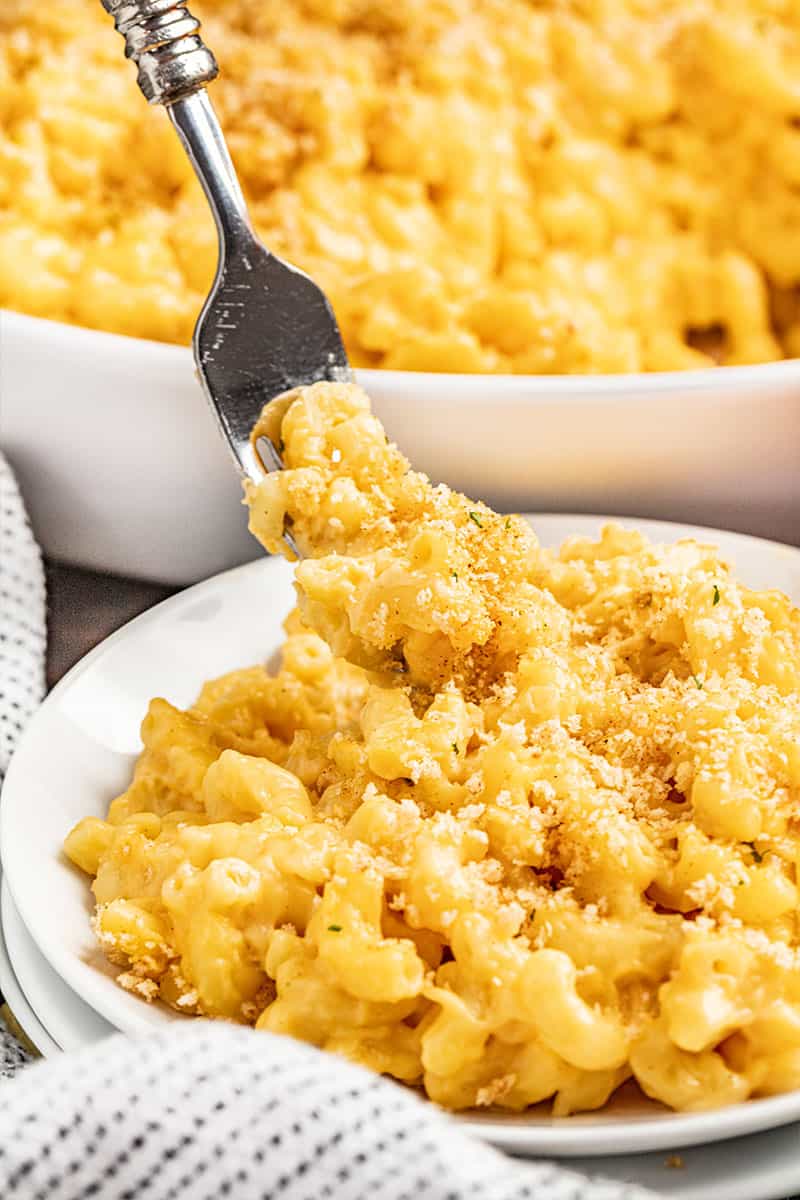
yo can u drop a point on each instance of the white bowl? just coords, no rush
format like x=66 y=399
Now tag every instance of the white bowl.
x=123 y=469
x=78 y=753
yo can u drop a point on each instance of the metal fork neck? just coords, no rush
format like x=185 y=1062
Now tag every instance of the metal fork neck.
x=200 y=133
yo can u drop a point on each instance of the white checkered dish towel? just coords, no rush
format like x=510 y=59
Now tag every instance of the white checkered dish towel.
x=22 y=646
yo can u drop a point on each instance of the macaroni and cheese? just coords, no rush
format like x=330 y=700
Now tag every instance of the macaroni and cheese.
x=479 y=185
x=510 y=823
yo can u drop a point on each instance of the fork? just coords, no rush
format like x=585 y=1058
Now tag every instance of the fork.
x=265 y=327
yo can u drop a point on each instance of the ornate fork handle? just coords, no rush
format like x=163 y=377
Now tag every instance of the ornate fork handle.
x=162 y=38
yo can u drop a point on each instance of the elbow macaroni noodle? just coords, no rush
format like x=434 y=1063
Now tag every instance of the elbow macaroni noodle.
x=512 y=824
x=480 y=186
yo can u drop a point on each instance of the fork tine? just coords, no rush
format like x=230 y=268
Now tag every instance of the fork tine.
x=272 y=461
x=269 y=456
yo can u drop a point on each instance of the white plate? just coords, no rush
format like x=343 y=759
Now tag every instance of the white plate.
x=78 y=752
x=765 y=1166
x=18 y=1003
x=70 y=1024
x=717 y=447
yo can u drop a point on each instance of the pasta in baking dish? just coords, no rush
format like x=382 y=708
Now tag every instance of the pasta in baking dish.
x=510 y=823
x=479 y=185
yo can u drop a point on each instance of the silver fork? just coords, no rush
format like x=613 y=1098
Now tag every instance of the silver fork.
x=265 y=327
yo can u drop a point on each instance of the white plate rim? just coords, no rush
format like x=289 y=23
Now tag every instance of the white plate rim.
x=18 y=1003
x=573 y=1136
x=524 y=389
x=69 y=1021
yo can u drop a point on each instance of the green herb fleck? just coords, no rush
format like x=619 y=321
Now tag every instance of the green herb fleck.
x=715 y=601
x=454 y=574
x=334 y=929
x=508 y=522
x=757 y=855
x=699 y=682
x=473 y=516
x=455 y=747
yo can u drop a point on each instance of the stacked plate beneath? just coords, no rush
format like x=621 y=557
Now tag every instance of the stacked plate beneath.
x=85 y=738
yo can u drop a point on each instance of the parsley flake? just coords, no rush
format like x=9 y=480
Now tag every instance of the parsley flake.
x=454 y=574
x=508 y=522
x=699 y=682
x=757 y=855
x=473 y=516
x=334 y=929
x=715 y=601
x=455 y=747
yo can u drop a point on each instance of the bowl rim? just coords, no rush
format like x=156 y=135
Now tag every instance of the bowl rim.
x=640 y=386
x=575 y=1136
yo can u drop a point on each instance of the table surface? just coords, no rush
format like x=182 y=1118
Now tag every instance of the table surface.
x=83 y=607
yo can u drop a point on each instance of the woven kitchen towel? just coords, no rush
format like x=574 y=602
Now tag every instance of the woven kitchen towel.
x=22 y=645
x=13 y=1055
x=206 y=1110
x=22 y=617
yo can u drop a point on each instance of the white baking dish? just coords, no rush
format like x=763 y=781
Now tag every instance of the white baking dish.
x=123 y=469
